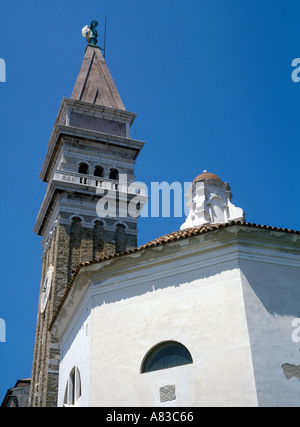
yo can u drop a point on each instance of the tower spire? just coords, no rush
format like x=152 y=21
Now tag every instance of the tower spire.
x=94 y=83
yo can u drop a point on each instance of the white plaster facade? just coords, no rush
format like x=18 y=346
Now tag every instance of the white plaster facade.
x=229 y=296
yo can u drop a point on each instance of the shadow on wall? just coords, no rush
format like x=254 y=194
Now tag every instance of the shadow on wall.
x=276 y=286
x=272 y=296
x=145 y=280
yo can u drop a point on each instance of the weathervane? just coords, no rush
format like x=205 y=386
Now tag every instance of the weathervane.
x=91 y=34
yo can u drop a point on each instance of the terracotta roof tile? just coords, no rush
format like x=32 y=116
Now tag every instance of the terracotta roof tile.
x=206 y=175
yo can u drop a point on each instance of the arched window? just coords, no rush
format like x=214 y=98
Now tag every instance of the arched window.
x=167 y=354
x=73 y=388
x=83 y=168
x=113 y=173
x=98 y=171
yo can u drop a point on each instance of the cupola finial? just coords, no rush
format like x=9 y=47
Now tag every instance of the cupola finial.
x=209 y=202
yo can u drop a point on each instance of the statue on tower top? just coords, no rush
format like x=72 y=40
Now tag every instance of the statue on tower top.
x=90 y=33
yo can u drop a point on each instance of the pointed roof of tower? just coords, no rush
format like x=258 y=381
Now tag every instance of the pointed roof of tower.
x=94 y=83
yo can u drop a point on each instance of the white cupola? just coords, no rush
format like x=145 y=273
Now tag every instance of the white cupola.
x=209 y=202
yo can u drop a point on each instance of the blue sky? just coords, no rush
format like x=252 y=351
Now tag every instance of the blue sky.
x=211 y=83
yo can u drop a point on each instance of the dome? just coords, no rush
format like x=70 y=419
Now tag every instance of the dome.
x=206 y=175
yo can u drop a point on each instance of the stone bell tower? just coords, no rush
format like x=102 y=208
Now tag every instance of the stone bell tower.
x=90 y=158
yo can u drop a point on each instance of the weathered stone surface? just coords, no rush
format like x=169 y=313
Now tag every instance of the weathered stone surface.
x=94 y=83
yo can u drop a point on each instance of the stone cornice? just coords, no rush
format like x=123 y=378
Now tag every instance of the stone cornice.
x=96 y=110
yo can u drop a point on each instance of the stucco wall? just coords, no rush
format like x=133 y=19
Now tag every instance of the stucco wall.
x=203 y=312
x=272 y=300
x=229 y=297
x=75 y=352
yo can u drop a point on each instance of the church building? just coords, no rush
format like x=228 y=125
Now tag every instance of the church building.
x=199 y=317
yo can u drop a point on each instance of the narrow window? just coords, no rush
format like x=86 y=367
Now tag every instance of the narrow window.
x=167 y=354
x=73 y=388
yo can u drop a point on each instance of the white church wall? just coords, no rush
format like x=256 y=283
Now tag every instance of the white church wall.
x=272 y=295
x=75 y=352
x=229 y=297
x=202 y=310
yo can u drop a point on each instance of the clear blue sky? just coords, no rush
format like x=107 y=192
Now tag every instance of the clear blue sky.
x=211 y=83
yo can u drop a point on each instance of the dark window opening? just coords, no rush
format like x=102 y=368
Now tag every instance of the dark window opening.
x=113 y=174
x=72 y=387
x=166 y=355
x=83 y=168
x=99 y=171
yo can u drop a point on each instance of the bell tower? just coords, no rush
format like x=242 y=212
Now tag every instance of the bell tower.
x=89 y=171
